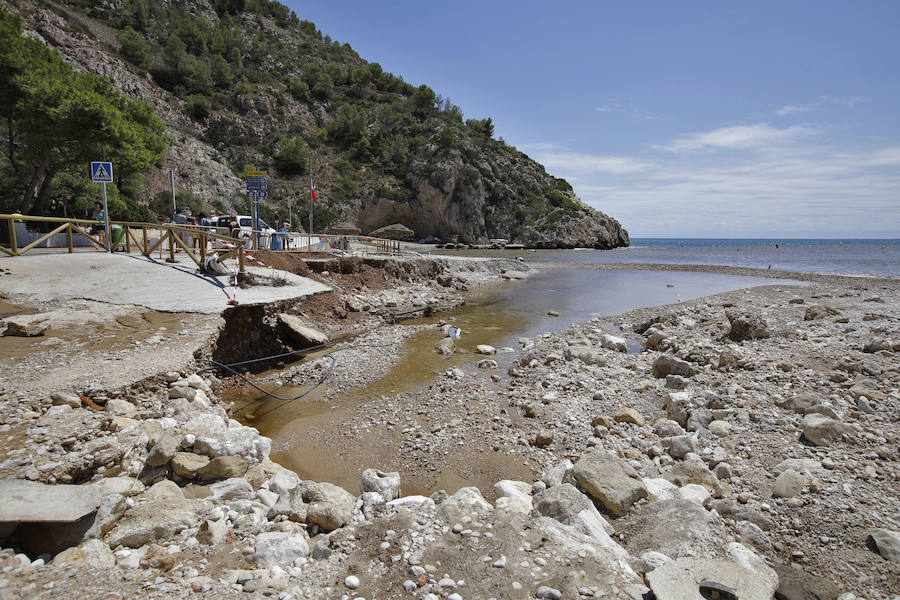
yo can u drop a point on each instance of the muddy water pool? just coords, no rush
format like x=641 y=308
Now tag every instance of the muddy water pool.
x=498 y=315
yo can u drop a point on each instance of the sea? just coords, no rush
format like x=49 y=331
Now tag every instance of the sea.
x=873 y=257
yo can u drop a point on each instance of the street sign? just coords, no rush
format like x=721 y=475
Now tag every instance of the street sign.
x=101 y=172
x=256 y=173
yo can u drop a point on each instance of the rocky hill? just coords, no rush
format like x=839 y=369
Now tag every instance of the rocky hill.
x=248 y=84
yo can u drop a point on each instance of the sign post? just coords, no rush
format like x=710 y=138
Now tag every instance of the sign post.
x=172 y=183
x=257 y=185
x=101 y=172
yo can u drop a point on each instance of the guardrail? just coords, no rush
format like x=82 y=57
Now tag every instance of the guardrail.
x=127 y=235
x=168 y=237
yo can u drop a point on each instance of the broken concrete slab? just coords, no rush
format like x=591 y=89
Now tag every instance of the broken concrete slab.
x=300 y=332
x=33 y=502
x=683 y=579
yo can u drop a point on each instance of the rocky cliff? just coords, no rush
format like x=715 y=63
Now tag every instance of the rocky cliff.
x=257 y=87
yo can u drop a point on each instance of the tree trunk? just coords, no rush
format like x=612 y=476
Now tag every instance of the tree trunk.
x=44 y=194
x=28 y=199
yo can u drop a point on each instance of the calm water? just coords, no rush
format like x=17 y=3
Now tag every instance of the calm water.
x=842 y=257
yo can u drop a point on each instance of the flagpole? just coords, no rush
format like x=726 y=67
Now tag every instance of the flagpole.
x=311 y=192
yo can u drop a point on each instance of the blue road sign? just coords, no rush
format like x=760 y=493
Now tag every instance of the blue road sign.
x=101 y=172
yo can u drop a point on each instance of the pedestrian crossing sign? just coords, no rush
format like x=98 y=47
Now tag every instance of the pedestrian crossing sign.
x=101 y=172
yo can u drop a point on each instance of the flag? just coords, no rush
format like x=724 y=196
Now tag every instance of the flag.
x=314 y=197
x=312 y=186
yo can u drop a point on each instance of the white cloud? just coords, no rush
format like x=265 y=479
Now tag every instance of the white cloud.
x=580 y=163
x=739 y=137
x=850 y=101
x=819 y=193
x=791 y=109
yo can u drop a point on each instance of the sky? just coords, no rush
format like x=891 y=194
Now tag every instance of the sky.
x=679 y=119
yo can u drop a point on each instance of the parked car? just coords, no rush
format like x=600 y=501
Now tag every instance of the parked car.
x=244 y=227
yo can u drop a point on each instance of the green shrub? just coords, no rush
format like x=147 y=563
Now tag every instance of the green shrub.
x=134 y=48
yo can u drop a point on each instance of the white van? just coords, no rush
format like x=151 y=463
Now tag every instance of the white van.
x=245 y=229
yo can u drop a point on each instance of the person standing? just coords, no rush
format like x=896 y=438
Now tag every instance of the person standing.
x=179 y=218
x=100 y=228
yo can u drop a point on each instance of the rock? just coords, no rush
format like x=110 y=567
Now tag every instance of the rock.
x=823 y=431
x=795 y=584
x=789 y=484
x=280 y=548
x=695 y=493
x=485 y=349
x=548 y=593
x=25 y=326
x=155 y=520
x=59 y=398
x=126 y=486
x=676 y=528
x=223 y=467
x=552 y=313
x=161 y=490
x=231 y=489
x=241 y=441
x=878 y=344
x=681 y=580
x=567 y=505
x=543 y=438
x=629 y=415
x=809 y=466
x=610 y=480
x=667 y=364
x=695 y=471
x=186 y=464
x=719 y=428
x=487 y=364
x=300 y=332
x=556 y=474
x=679 y=445
x=446 y=346
x=212 y=533
x=817 y=311
x=120 y=407
x=92 y=554
x=667 y=428
x=613 y=342
x=747 y=326
x=330 y=506
x=886 y=542
x=468 y=500
x=799 y=403
x=677 y=382
x=164 y=449
x=386 y=484
x=531 y=410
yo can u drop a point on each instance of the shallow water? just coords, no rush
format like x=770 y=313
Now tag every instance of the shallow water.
x=499 y=316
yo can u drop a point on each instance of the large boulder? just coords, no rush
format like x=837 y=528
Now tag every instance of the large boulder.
x=240 y=441
x=824 y=431
x=386 y=484
x=676 y=528
x=667 y=364
x=330 y=506
x=696 y=579
x=280 y=548
x=747 y=326
x=610 y=480
x=157 y=520
x=886 y=542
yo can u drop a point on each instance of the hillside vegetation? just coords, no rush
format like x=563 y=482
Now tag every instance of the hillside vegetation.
x=244 y=84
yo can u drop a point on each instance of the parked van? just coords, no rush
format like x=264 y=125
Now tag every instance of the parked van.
x=244 y=228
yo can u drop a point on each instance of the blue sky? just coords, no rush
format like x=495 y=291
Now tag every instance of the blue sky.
x=685 y=119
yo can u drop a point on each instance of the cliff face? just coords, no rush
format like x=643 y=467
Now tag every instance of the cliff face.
x=276 y=94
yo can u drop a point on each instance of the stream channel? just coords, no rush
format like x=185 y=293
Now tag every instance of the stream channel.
x=310 y=435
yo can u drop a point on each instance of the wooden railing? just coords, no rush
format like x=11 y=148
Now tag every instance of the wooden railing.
x=128 y=235
x=167 y=237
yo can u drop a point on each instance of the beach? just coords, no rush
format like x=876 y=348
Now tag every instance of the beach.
x=753 y=427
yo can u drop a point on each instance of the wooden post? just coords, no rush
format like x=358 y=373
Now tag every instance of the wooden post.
x=127 y=232
x=203 y=239
x=146 y=248
x=69 y=239
x=12 y=237
x=241 y=260
x=171 y=246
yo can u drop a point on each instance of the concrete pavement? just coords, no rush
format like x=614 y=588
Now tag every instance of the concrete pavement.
x=129 y=279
